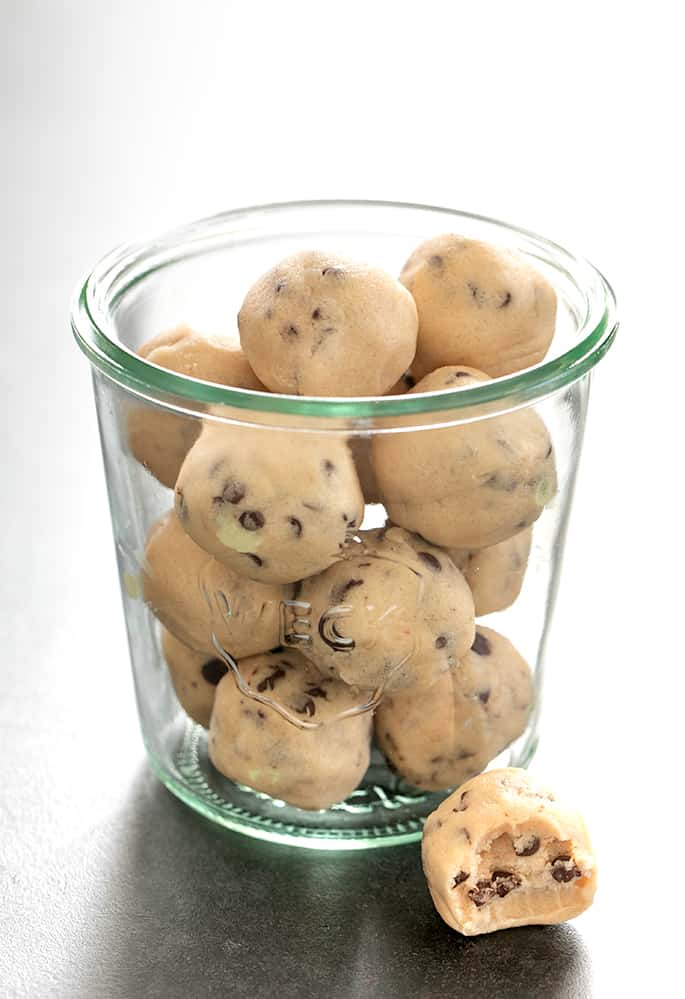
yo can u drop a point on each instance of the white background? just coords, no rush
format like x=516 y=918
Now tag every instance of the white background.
x=123 y=119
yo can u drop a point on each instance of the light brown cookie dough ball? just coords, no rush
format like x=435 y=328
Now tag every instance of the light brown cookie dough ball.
x=395 y=611
x=317 y=324
x=160 y=439
x=194 y=676
x=504 y=851
x=437 y=738
x=471 y=485
x=479 y=305
x=495 y=574
x=251 y=742
x=272 y=506
x=195 y=597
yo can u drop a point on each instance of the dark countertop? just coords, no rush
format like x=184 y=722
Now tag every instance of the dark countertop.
x=110 y=887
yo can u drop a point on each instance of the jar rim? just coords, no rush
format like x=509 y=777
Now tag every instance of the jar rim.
x=93 y=328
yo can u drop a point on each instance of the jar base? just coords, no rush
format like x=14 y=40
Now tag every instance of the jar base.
x=383 y=811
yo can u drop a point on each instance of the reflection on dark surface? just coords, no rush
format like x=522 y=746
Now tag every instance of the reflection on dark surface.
x=190 y=910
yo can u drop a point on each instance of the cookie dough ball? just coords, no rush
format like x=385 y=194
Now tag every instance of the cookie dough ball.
x=396 y=611
x=479 y=305
x=159 y=439
x=194 y=676
x=495 y=574
x=504 y=851
x=317 y=324
x=196 y=597
x=471 y=485
x=437 y=738
x=270 y=506
x=253 y=743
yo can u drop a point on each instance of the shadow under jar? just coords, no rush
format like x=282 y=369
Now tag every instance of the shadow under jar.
x=367 y=628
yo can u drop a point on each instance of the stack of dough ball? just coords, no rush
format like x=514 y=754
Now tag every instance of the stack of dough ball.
x=396 y=611
x=468 y=486
x=478 y=305
x=197 y=598
x=273 y=507
x=253 y=743
x=321 y=325
x=194 y=676
x=439 y=737
x=504 y=851
x=160 y=440
x=495 y=574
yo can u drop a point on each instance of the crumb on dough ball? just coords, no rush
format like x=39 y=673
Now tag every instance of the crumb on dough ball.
x=504 y=851
x=272 y=506
x=160 y=439
x=471 y=485
x=439 y=737
x=194 y=676
x=396 y=611
x=250 y=741
x=495 y=575
x=321 y=325
x=197 y=598
x=478 y=304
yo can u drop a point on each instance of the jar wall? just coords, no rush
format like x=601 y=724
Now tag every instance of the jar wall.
x=382 y=806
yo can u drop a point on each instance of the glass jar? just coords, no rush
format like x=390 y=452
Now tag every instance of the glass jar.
x=330 y=683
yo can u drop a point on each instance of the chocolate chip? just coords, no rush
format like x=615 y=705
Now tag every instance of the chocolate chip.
x=255 y=558
x=333 y=271
x=549 y=451
x=269 y=682
x=316 y=314
x=459 y=878
x=463 y=803
x=481 y=645
x=564 y=869
x=457 y=374
x=309 y=708
x=482 y=893
x=181 y=506
x=338 y=592
x=316 y=692
x=364 y=565
x=408 y=380
x=441 y=641
x=430 y=560
x=252 y=520
x=476 y=294
x=232 y=492
x=505 y=301
x=280 y=286
x=483 y=696
x=290 y=332
x=435 y=260
x=505 y=881
x=214 y=670
x=465 y=833
x=314 y=507
x=526 y=846
x=296 y=526
x=261 y=714
x=328 y=466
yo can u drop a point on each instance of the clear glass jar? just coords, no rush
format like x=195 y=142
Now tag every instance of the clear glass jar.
x=379 y=637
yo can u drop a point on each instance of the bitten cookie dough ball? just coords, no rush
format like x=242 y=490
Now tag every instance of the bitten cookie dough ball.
x=504 y=851
x=495 y=574
x=471 y=485
x=194 y=596
x=395 y=611
x=317 y=324
x=251 y=742
x=480 y=305
x=270 y=506
x=437 y=738
x=194 y=676
x=159 y=439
